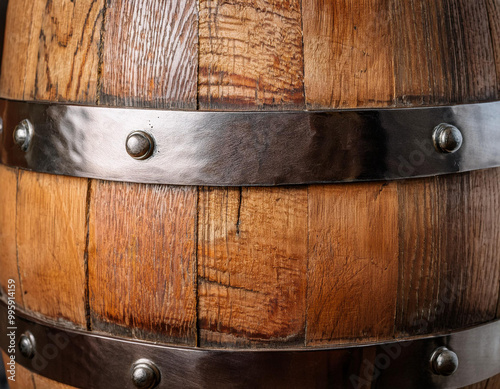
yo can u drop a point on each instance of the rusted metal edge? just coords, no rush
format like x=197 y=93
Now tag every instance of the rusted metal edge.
x=248 y=148
x=88 y=360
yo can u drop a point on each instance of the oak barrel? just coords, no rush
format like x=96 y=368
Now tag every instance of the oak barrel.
x=306 y=266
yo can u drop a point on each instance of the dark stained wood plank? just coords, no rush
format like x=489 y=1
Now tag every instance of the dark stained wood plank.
x=494 y=382
x=348 y=53
x=8 y=249
x=426 y=72
x=250 y=55
x=493 y=7
x=150 y=54
x=54 y=46
x=353 y=262
x=50 y=227
x=449 y=235
x=252 y=261
x=142 y=261
x=469 y=24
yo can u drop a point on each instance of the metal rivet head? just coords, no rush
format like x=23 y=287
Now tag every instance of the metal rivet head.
x=23 y=134
x=140 y=145
x=27 y=345
x=145 y=374
x=447 y=138
x=444 y=361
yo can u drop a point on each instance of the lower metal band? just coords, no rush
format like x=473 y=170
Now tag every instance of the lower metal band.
x=249 y=148
x=87 y=360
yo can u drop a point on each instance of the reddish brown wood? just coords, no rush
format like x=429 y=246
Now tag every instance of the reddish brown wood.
x=448 y=244
x=353 y=262
x=53 y=50
x=348 y=53
x=150 y=54
x=252 y=260
x=494 y=382
x=8 y=249
x=142 y=269
x=442 y=53
x=493 y=7
x=50 y=230
x=250 y=55
x=276 y=267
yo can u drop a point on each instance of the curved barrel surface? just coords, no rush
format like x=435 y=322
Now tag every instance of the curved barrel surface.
x=240 y=267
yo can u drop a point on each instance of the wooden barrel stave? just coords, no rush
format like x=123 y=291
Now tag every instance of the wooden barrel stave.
x=373 y=59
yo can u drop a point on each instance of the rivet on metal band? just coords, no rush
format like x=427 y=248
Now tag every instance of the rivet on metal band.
x=145 y=374
x=27 y=345
x=444 y=361
x=139 y=145
x=22 y=135
x=88 y=360
x=249 y=148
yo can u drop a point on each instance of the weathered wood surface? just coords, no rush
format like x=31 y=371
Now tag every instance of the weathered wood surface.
x=150 y=54
x=385 y=53
x=51 y=231
x=353 y=262
x=250 y=55
x=261 y=266
x=449 y=242
x=252 y=265
x=53 y=50
x=142 y=268
x=442 y=53
x=493 y=7
x=348 y=53
x=8 y=249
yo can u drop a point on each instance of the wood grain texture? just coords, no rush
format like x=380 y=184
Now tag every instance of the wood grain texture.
x=493 y=7
x=478 y=64
x=8 y=250
x=425 y=66
x=348 y=53
x=53 y=50
x=14 y=67
x=142 y=268
x=150 y=54
x=494 y=382
x=449 y=237
x=443 y=52
x=250 y=55
x=388 y=52
x=252 y=261
x=353 y=262
x=50 y=227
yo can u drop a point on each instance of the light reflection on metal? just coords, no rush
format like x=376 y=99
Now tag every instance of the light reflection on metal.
x=250 y=148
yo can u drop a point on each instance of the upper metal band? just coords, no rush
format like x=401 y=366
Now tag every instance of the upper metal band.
x=249 y=148
x=88 y=360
